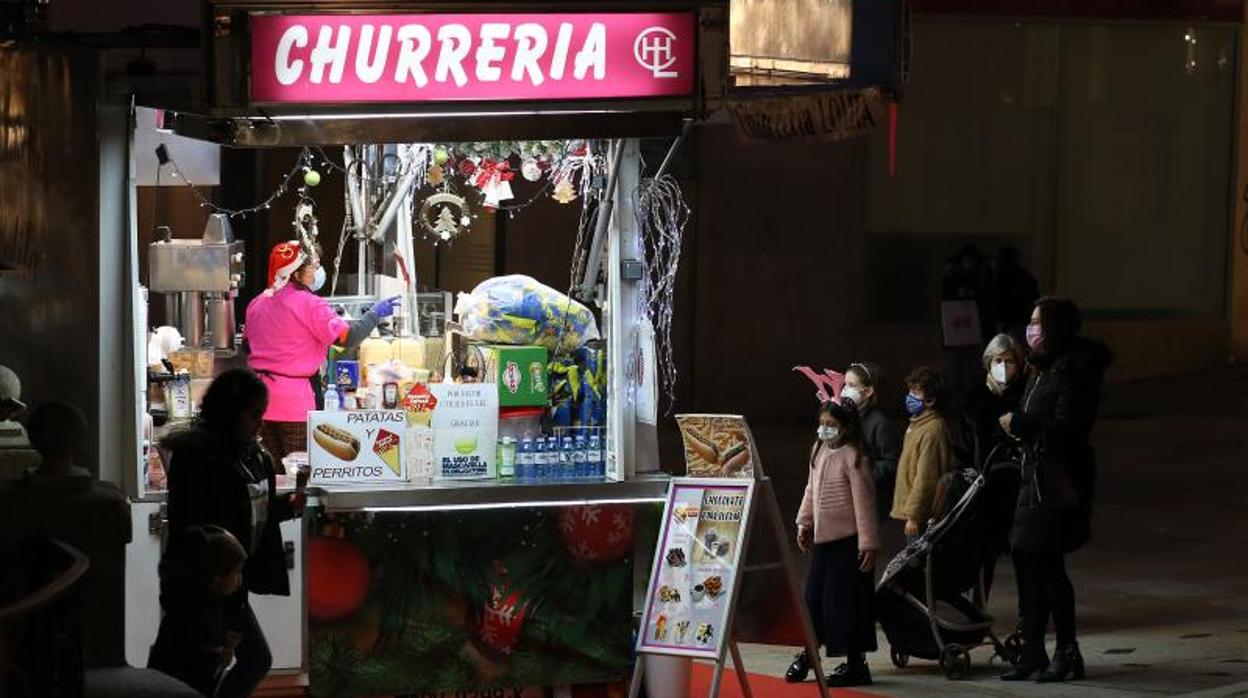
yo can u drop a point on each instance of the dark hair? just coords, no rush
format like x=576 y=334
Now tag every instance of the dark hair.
x=56 y=428
x=933 y=383
x=207 y=552
x=227 y=397
x=851 y=425
x=1061 y=322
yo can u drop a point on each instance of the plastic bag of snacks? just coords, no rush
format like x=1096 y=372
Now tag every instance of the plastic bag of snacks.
x=520 y=310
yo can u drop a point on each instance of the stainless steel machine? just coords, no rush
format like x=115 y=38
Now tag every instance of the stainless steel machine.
x=200 y=280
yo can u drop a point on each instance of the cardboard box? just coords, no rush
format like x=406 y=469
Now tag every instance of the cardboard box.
x=520 y=372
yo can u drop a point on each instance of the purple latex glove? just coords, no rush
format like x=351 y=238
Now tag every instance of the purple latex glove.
x=386 y=308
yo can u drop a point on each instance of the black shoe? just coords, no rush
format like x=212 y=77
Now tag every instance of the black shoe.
x=799 y=669
x=1067 y=662
x=1032 y=661
x=850 y=675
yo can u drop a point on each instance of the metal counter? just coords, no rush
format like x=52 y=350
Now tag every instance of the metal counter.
x=482 y=494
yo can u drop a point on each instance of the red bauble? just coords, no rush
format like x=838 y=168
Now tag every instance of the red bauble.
x=338 y=579
x=595 y=533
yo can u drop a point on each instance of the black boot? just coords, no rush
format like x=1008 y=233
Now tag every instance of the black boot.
x=850 y=674
x=799 y=669
x=1067 y=662
x=1033 y=659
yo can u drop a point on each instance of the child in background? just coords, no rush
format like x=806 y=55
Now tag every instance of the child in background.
x=881 y=436
x=192 y=644
x=924 y=450
x=837 y=523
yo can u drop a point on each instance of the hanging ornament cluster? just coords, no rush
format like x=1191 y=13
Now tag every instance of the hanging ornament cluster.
x=568 y=168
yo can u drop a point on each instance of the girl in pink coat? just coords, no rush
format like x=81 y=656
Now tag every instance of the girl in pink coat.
x=837 y=525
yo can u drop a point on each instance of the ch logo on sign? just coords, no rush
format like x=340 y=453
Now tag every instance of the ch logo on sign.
x=655 y=51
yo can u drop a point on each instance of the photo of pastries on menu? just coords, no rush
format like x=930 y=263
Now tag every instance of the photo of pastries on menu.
x=688 y=606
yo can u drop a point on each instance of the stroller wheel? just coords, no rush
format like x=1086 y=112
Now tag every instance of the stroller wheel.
x=1012 y=649
x=956 y=662
x=900 y=659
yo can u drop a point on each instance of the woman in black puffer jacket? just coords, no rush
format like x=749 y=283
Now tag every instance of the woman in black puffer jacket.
x=1053 y=518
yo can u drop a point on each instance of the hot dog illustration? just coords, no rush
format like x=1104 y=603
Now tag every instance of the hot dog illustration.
x=336 y=442
x=736 y=458
x=702 y=446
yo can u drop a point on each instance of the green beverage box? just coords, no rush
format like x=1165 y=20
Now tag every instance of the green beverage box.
x=520 y=372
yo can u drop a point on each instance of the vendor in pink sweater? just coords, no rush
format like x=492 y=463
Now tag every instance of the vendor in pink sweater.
x=837 y=524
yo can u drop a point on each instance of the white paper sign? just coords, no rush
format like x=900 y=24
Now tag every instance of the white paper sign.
x=465 y=430
x=357 y=447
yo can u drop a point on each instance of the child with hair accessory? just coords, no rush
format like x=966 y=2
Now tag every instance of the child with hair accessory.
x=838 y=525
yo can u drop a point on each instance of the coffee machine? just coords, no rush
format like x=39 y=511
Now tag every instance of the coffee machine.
x=200 y=280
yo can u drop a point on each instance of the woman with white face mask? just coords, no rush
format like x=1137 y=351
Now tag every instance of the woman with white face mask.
x=1002 y=391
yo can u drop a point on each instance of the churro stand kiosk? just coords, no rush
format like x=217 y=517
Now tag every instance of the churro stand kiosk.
x=476 y=472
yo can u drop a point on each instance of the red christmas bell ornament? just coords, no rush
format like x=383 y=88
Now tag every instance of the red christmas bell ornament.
x=338 y=579
x=597 y=533
x=502 y=616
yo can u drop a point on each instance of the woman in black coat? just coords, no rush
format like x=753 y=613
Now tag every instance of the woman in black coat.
x=1053 y=517
x=219 y=475
x=1001 y=393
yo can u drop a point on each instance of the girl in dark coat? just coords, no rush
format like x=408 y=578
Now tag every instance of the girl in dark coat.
x=205 y=567
x=220 y=475
x=1053 y=517
x=881 y=437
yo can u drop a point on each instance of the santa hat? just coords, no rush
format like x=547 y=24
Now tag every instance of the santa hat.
x=285 y=258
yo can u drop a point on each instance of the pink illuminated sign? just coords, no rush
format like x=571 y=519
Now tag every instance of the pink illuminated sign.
x=302 y=59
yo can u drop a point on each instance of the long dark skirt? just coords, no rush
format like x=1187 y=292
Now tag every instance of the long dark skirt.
x=841 y=599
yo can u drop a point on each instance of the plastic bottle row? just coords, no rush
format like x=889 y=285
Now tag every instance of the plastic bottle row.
x=574 y=453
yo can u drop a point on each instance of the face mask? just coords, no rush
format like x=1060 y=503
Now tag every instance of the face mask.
x=999 y=373
x=852 y=394
x=1035 y=335
x=828 y=433
x=318 y=280
x=914 y=405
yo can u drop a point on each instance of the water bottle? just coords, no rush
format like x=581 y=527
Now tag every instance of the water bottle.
x=332 y=402
x=597 y=467
x=580 y=457
x=541 y=466
x=507 y=457
x=566 y=448
x=524 y=460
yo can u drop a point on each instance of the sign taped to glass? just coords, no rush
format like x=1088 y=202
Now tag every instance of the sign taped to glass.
x=311 y=59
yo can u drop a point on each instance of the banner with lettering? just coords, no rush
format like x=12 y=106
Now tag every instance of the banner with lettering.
x=693 y=584
x=365 y=447
x=311 y=59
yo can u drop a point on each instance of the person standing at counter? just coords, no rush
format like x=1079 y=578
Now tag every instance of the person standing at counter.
x=220 y=476
x=289 y=330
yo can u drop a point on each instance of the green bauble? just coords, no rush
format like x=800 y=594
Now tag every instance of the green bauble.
x=311 y=178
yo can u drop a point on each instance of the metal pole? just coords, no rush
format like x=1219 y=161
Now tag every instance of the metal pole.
x=590 y=279
x=684 y=131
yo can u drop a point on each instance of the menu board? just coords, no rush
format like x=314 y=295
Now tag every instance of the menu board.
x=365 y=447
x=693 y=584
x=465 y=430
x=717 y=445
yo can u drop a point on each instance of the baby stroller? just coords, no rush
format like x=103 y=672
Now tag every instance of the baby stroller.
x=932 y=598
